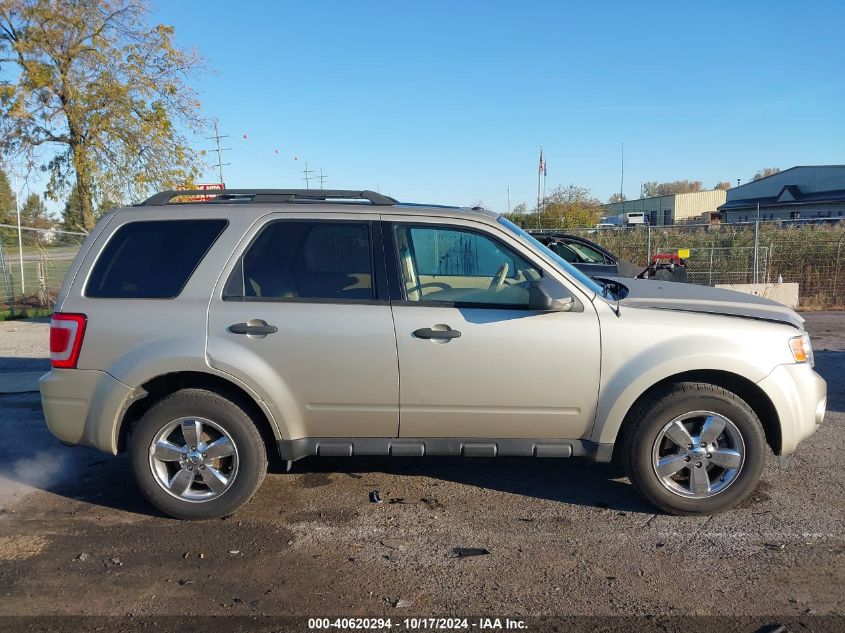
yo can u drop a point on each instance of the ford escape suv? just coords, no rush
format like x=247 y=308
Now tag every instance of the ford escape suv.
x=205 y=336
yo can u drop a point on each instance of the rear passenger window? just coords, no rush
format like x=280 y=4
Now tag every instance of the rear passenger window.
x=151 y=260
x=309 y=260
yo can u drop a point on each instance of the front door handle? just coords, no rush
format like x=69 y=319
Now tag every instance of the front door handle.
x=428 y=333
x=253 y=327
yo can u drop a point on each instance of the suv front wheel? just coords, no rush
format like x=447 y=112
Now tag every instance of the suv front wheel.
x=694 y=448
x=197 y=455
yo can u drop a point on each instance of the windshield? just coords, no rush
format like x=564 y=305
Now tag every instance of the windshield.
x=565 y=265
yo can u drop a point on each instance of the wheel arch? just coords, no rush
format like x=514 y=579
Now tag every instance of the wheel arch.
x=735 y=383
x=158 y=387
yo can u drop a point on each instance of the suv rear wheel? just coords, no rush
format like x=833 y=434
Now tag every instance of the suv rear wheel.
x=694 y=448
x=197 y=455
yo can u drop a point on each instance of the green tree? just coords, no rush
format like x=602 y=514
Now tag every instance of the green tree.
x=653 y=189
x=93 y=89
x=72 y=213
x=7 y=200
x=34 y=212
x=766 y=171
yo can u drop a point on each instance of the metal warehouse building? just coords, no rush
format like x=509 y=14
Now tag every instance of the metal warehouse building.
x=804 y=193
x=674 y=209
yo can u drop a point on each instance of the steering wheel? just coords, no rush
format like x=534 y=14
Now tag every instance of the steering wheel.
x=436 y=284
x=499 y=278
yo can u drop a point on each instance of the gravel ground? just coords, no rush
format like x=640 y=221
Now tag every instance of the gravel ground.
x=564 y=537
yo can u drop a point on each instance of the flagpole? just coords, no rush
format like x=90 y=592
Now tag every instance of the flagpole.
x=544 y=181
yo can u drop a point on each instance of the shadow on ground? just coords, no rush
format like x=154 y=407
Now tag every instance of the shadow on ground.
x=831 y=365
x=38 y=460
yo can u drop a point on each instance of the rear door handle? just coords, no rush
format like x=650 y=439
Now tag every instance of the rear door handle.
x=428 y=333
x=253 y=327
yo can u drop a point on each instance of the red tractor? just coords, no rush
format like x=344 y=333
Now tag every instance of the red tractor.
x=668 y=267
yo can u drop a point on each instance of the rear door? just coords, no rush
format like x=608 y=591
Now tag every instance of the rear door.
x=302 y=315
x=474 y=360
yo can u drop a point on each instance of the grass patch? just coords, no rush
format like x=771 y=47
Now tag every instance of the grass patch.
x=25 y=313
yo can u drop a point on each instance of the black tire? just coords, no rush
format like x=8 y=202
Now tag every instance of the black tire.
x=228 y=415
x=651 y=416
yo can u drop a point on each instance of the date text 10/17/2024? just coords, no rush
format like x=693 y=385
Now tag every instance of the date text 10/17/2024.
x=417 y=623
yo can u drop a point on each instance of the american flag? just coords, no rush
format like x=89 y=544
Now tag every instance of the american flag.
x=542 y=164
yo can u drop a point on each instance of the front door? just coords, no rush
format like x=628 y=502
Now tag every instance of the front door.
x=474 y=361
x=305 y=321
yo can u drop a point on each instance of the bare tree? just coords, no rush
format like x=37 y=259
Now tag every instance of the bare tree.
x=766 y=171
x=653 y=189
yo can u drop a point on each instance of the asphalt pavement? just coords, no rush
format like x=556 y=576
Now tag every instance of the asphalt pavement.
x=533 y=537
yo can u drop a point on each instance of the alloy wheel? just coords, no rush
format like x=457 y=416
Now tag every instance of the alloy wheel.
x=698 y=454
x=194 y=459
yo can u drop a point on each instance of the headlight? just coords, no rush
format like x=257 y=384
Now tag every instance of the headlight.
x=802 y=351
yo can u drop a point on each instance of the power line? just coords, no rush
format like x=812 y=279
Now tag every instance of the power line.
x=216 y=138
x=308 y=178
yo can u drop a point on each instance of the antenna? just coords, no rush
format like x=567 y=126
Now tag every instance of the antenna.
x=622 y=180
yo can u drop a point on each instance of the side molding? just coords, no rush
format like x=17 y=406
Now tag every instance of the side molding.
x=456 y=447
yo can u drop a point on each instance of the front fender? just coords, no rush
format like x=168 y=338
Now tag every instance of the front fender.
x=618 y=395
x=644 y=347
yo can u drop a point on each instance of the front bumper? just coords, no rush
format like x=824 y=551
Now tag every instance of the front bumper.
x=83 y=406
x=800 y=398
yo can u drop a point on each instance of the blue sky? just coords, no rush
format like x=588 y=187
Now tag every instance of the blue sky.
x=449 y=102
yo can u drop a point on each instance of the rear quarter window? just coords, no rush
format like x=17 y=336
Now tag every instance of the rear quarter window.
x=151 y=259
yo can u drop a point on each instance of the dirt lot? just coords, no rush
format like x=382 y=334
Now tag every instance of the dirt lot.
x=564 y=537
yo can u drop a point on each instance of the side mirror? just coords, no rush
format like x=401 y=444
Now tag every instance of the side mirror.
x=546 y=295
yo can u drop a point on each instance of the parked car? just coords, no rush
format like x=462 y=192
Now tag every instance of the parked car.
x=590 y=258
x=203 y=337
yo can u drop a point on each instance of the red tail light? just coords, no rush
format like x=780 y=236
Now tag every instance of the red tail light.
x=66 y=334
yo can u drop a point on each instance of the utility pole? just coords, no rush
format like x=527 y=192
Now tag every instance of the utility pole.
x=321 y=177
x=308 y=177
x=220 y=164
x=20 y=232
x=756 y=242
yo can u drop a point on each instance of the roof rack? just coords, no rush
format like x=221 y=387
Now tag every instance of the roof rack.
x=270 y=195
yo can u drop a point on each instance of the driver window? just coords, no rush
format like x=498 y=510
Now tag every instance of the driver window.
x=454 y=265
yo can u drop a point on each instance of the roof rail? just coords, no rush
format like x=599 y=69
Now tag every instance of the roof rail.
x=270 y=195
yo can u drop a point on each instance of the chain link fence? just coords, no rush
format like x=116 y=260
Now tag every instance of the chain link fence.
x=33 y=264
x=812 y=255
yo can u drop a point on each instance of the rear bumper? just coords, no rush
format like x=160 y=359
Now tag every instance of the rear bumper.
x=800 y=397
x=83 y=406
